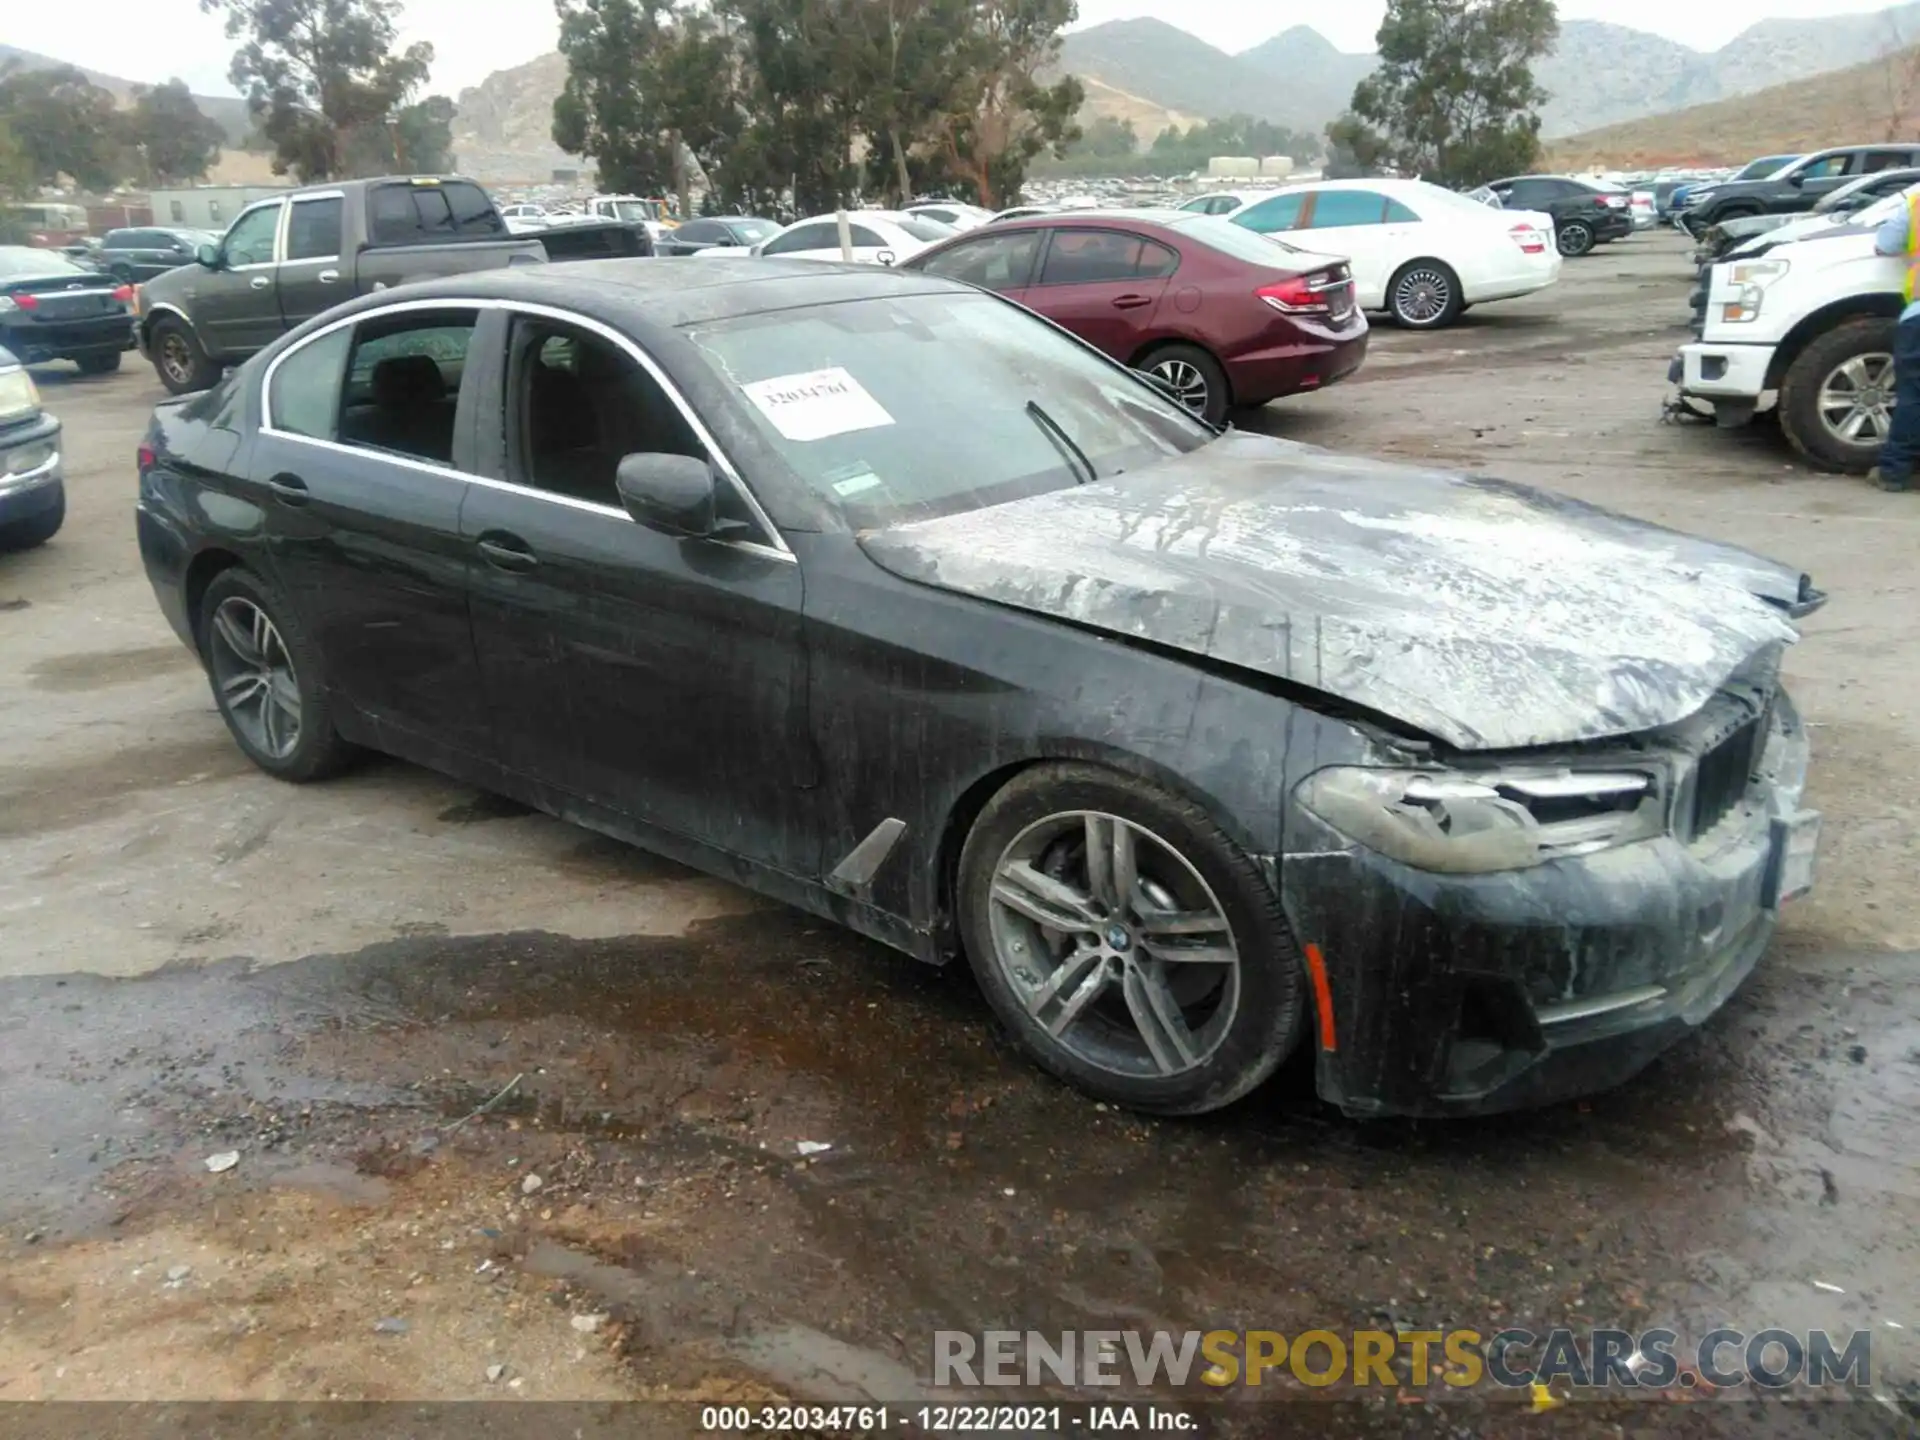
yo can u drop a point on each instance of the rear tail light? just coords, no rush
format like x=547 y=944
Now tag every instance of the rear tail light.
x=27 y=302
x=1614 y=202
x=145 y=456
x=1528 y=239
x=123 y=294
x=1319 y=293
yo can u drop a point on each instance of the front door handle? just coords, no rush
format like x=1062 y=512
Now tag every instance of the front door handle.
x=260 y=282
x=289 y=489
x=507 y=552
x=1131 y=302
x=327 y=277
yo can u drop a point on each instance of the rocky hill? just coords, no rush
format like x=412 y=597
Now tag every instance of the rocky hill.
x=503 y=128
x=1876 y=101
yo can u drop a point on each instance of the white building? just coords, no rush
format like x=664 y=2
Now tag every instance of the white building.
x=208 y=207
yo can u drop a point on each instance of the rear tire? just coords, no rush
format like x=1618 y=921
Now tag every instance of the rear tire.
x=29 y=534
x=1575 y=238
x=183 y=367
x=1832 y=386
x=1196 y=375
x=268 y=681
x=99 y=364
x=1124 y=1001
x=1424 y=295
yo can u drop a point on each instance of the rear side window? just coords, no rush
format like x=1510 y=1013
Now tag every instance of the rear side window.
x=412 y=214
x=1091 y=257
x=807 y=237
x=1333 y=209
x=313 y=230
x=1282 y=212
x=1398 y=214
x=865 y=238
x=305 y=398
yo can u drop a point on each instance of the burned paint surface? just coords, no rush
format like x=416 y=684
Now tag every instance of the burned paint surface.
x=1489 y=615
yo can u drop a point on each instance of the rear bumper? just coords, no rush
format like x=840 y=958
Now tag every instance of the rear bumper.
x=1453 y=995
x=1614 y=225
x=1307 y=363
x=66 y=340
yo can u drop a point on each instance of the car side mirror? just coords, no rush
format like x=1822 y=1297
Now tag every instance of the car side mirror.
x=209 y=256
x=726 y=240
x=1796 y=180
x=673 y=494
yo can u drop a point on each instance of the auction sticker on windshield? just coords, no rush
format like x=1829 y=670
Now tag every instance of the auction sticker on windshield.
x=816 y=405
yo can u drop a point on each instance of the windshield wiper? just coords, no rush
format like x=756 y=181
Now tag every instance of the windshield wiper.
x=1075 y=457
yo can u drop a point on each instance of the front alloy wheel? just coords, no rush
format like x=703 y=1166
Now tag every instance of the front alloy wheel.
x=1856 y=400
x=1126 y=942
x=1186 y=382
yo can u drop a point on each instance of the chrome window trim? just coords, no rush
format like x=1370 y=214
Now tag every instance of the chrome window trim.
x=777 y=550
x=285 y=231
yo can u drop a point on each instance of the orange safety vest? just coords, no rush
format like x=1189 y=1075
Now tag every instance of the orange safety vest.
x=1913 y=245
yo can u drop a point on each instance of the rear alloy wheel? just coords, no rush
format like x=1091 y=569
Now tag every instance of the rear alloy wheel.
x=1194 y=377
x=1836 y=399
x=1425 y=295
x=1129 y=946
x=1575 y=238
x=267 y=680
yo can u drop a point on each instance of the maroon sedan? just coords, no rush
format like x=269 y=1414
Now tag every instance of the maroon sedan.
x=1217 y=313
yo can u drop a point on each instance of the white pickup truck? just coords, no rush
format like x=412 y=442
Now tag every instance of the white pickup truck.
x=1802 y=325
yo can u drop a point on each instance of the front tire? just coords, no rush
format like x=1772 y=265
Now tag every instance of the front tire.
x=267 y=679
x=1425 y=295
x=1575 y=238
x=182 y=365
x=1195 y=376
x=99 y=364
x=1174 y=993
x=1836 y=399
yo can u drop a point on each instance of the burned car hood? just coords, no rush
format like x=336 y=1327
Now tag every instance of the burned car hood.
x=1485 y=614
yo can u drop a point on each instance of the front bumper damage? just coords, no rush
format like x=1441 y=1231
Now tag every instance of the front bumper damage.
x=1469 y=994
x=1726 y=381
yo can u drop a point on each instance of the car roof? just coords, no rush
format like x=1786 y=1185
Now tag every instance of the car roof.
x=662 y=292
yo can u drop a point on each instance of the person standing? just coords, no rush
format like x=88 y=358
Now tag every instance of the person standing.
x=1901 y=450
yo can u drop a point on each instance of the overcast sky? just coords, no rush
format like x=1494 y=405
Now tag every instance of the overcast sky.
x=151 y=40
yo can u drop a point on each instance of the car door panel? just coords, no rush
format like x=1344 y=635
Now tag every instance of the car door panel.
x=368 y=544
x=236 y=308
x=309 y=279
x=1092 y=282
x=660 y=677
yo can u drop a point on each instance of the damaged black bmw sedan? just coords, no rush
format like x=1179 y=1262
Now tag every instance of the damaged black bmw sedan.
x=881 y=596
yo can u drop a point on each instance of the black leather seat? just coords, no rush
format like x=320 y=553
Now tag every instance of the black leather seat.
x=411 y=413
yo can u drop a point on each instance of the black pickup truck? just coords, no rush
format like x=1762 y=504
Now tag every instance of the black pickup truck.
x=1794 y=190
x=287 y=259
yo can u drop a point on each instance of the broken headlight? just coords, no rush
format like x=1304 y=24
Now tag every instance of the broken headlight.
x=1751 y=277
x=1468 y=822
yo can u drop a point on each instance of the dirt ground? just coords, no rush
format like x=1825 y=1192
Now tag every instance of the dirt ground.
x=331 y=981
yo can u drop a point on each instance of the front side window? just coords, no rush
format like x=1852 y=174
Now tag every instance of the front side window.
x=902 y=408
x=1827 y=168
x=994 y=262
x=313 y=229
x=1282 y=212
x=250 y=241
x=579 y=404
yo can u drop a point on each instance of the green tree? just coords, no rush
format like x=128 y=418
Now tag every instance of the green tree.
x=610 y=107
x=1000 y=115
x=61 y=123
x=1108 y=139
x=173 y=139
x=323 y=77
x=417 y=139
x=1454 y=100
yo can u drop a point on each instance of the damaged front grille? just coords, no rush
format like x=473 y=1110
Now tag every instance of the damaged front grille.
x=1721 y=778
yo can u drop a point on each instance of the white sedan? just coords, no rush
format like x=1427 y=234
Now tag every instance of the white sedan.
x=1420 y=253
x=951 y=212
x=880 y=237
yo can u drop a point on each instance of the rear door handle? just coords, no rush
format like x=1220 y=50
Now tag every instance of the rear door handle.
x=261 y=282
x=327 y=277
x=507 y=552
x=1131 y=302
x=289 y=489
